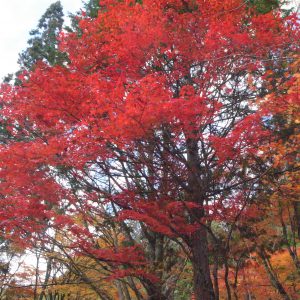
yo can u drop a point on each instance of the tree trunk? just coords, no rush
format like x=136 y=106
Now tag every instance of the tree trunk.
x=35 y=293
x=154 y=292
x=119 y=289
x=291 y=249
x=203 y=288
x=297 y=216
x=226 y=277
x=215 y=274
x=273 y=277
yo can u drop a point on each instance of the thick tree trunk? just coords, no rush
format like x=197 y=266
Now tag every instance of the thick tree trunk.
x=203 y=288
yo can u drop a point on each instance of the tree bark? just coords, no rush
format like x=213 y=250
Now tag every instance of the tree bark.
x=297 y=216
x=215 y=274
x=292 y=249
x=154 y=292
x=273 y=277
x=203 y=287
x=228 y=290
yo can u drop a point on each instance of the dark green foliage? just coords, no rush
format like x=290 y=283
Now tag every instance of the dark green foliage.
x=8 y=78
x=265 y=6
x=43 y=44
x=92 y=8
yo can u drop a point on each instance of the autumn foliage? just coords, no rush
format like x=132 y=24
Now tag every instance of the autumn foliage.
x=157 y=137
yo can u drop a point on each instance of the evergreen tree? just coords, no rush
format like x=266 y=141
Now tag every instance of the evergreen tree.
x=266 y=6
x=91 y=8
x=43 y=44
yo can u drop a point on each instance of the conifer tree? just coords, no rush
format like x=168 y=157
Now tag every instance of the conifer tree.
x=43 y=44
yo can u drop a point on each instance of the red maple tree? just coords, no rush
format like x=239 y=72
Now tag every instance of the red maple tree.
x=154 y=120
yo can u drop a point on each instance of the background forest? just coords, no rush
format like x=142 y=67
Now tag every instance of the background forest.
x=150 y=151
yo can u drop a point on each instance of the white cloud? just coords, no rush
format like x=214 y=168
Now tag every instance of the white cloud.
x=18 y=17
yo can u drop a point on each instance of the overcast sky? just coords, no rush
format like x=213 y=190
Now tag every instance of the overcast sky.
x=18 y=17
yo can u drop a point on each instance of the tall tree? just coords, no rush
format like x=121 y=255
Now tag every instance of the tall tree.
x=43 y=44
x=91 y=8
x=155 y=120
